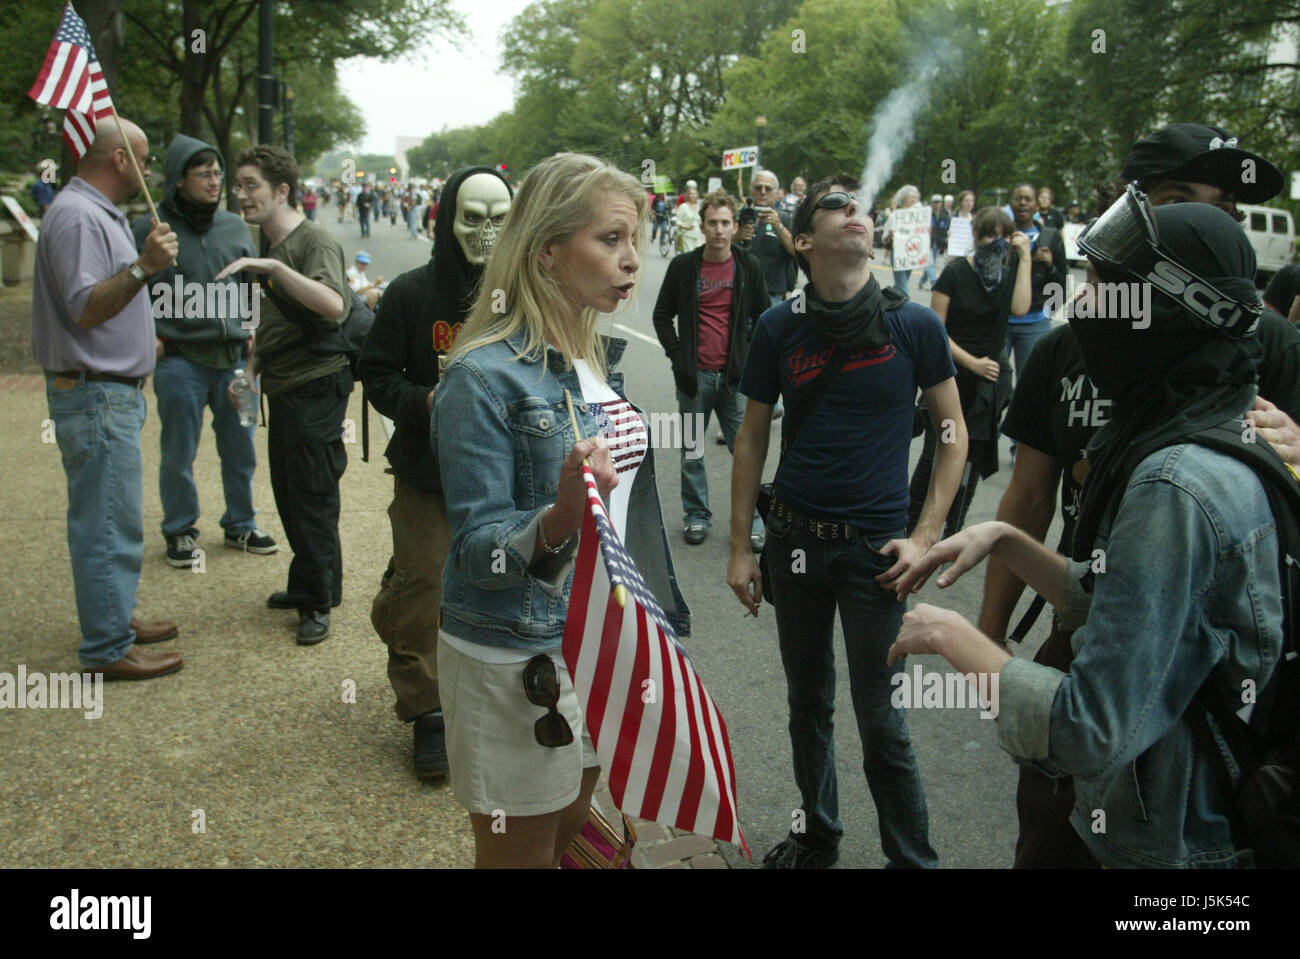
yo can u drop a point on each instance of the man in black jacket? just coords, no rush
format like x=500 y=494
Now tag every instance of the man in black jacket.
x=716 y=293
x=416 y=323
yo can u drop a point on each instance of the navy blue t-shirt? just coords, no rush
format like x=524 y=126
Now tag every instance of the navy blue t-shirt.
x=850 y=463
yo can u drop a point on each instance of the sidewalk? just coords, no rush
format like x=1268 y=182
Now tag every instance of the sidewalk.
x=253 y=754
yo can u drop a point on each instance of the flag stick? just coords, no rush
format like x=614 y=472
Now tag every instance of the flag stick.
x=577 y=430
x=136 y=164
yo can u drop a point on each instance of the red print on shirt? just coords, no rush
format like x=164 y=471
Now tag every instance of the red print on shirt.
x=803 y=365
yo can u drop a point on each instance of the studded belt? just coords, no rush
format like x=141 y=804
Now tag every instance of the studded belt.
x=822 y=529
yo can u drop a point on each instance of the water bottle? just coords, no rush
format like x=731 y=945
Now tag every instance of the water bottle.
x=246 y=398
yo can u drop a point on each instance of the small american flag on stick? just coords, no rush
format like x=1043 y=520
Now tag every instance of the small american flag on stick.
x=661 y=740
x=71 y=80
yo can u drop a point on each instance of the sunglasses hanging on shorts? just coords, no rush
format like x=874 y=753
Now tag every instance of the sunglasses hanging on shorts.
x=542 y=687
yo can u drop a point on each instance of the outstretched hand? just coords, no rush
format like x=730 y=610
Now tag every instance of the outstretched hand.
x=964 y=550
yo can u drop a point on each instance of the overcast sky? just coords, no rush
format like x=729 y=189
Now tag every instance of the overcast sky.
x=442 y=86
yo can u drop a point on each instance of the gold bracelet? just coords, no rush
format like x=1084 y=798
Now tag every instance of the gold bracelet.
x=1292 y=471
x=541 y=525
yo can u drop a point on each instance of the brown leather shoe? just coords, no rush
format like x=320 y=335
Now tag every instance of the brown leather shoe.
x=151 y=631
x=139 y=664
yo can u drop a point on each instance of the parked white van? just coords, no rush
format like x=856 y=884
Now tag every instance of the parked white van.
x=1272 y=234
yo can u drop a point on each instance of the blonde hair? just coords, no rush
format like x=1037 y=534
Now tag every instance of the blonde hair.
x=559 y=197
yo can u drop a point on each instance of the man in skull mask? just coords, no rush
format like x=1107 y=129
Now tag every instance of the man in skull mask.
x=1175 y=574
x=416 y=323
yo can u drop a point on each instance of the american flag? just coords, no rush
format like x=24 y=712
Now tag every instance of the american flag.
x=620 y=423
x=659 y=737
x=71 y=80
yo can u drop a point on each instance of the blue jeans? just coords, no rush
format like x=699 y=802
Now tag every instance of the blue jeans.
x=842 y=573
x=931 y=273
x=901 y=278
x=97 y=427
x=711 y=396
x=365 y=223
x=413 y=221
x=184 y=388
x=1021 y=337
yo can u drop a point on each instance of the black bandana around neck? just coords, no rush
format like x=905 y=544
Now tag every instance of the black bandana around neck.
x=858 y=322
x=1168 y=376
x=197 y=216
x=989 y=262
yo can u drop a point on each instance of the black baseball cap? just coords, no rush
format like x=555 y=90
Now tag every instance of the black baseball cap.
x=1196 y=153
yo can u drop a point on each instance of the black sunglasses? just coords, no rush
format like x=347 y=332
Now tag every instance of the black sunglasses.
x=834 y=201
x=542 y=687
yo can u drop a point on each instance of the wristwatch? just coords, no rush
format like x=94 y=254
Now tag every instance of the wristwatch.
x=139 y=274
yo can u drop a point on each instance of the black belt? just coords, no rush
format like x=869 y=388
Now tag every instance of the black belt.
x=136 y=381
x=822 y=529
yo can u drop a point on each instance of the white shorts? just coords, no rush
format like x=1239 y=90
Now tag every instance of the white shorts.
x=497 y=765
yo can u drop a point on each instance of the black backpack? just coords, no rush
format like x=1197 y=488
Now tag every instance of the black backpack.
x=1266 y=747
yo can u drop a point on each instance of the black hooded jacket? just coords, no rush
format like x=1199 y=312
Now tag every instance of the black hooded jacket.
x=417 y=319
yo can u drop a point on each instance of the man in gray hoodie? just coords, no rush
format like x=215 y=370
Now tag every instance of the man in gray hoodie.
x=203 y=328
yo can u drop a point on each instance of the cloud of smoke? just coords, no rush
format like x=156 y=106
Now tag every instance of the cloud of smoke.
x=894 y=123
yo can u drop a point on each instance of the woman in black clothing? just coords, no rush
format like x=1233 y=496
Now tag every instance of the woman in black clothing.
x=973 y=297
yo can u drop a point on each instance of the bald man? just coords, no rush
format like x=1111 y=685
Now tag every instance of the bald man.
x=93 y=332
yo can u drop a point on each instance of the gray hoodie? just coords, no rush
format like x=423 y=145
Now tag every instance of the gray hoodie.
x=197 y=310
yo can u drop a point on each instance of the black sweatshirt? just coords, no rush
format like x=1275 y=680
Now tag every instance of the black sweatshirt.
x=399 y=367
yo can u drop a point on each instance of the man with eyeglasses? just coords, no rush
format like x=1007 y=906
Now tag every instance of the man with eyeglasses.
x=307 y=297
x=204 y=327
x=93 y=334
x=768 y=238
x=848 y=357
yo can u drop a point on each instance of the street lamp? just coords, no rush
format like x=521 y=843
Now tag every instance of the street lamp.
x=761 y=123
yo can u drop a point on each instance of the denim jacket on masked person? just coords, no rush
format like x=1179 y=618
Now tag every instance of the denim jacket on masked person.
x=501 y=430
x=1189 y=594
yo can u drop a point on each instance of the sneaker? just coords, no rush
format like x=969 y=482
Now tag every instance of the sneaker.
x=696 y=534
x=721 y=440
x=790 y=853
x=312 y=628
x=430 y=746
x=180 y=550
x=252 y=541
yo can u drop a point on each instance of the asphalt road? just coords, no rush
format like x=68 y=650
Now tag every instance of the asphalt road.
x=969 y=781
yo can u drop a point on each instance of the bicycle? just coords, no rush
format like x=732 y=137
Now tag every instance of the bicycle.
x=667 y=237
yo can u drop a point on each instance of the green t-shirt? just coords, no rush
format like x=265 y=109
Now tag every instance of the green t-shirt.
x=284 y=357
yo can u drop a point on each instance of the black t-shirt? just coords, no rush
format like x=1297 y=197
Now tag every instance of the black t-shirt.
x=972 y=313
x=1279 y=369
x=1283 y=288
x=850 y=461
x=365 y=203
x=1055 y=409
x=1053 y=218
x=777 y=264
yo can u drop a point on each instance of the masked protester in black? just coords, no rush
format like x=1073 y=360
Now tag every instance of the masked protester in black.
x=1185 y=589
x=416 y=323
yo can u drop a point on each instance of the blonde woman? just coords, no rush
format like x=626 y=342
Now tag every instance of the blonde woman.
x=569 y=250
x=690 y=236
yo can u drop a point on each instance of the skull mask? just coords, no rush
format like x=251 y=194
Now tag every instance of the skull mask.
x=481 y=205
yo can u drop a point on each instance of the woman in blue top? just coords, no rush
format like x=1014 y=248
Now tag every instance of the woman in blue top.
x=510 y=464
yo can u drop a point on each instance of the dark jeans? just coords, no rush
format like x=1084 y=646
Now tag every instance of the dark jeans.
x=840 y=573
x=921 y=485
x=305 y=449
x=1047 y=839
x=365 y=223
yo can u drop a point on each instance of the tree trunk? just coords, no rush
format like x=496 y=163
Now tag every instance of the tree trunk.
x=194 y=74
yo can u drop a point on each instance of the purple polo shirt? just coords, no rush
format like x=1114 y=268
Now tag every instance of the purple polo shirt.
x=85 y=240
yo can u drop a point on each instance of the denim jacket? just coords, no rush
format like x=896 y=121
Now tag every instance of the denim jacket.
x=500 y=429
x=1190 y=596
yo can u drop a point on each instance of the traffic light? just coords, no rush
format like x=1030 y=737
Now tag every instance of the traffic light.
x=504 y=172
